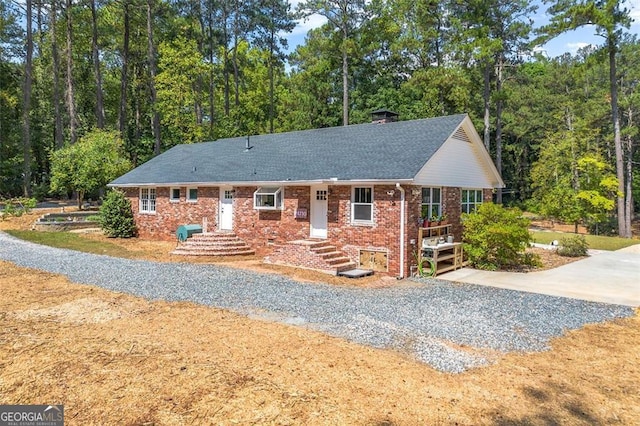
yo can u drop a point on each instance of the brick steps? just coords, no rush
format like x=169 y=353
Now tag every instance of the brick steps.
x=320 y=255
x=214 y=244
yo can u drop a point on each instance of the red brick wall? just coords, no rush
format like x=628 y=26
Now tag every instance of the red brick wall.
x=262 y=229
x=382 y=235
x=452 y=207
x=162 y=224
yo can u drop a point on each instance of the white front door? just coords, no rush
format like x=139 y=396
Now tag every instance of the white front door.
x=319 y=210
x=226 y=209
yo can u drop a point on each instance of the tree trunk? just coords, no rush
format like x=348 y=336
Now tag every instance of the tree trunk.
x=71 y=99
x=212 y=83
x=236 y=35
x=26 y=105
x=271 y=81
x=486 y=95
x=155 y=121
x=628 y=208
x=624 y=221
x=345 y=74
x=124 y=78
x=225 y=60
x=58 y=136
x=499 y=106
x=96 y=67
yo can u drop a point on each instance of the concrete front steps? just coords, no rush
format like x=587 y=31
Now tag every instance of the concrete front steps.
x=315 y=254
x=214 y=244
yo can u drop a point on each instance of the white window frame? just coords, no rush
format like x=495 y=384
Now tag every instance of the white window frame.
x=429 y=206
x=148 y=200
x=188 y=195
x=171 y=197
x=355 y=204
x=262 y=198
x=474 y=198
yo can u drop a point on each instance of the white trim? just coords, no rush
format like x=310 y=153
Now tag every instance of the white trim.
x=431 y=204
x=355 y=221
x=461 y=164
x=188 y=194
x=150 y=200
x=225 y=223
x=402 y=220
x=171 y=198
x=363 y=182
x=268 y=191
x=318 y=221
x=475 y=203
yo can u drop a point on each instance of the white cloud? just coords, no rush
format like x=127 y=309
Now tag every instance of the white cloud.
x=574 y=47
x=634 y=11
x=304 y=25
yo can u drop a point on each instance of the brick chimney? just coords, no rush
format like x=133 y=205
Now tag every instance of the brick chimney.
x=382 y=116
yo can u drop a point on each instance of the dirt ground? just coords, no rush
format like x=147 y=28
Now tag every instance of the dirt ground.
x=114 y=359
x=160 y=251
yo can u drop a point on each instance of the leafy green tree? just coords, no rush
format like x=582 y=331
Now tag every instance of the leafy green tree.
x=496 y=237
x=180 y=66
x=610 y=18
x=345 y=17
x=116 y=216
x=495 y=33
x=273 y=18
x=571 y=182
x=89 y=164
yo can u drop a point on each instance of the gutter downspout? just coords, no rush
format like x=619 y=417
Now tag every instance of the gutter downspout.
x=402 y=220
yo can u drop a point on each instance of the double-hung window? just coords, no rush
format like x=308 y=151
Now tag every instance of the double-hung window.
x=147 y=200
x=431 y=203
x=268 y=198
x=362 y=205
x=471 y=199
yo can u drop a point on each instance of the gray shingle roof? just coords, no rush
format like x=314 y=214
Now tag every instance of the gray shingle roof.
x=357 y=152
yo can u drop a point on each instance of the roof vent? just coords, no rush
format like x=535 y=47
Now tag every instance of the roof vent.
x=382 y=116
x=248 y=146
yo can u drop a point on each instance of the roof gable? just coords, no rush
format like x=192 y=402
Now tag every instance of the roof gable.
x=462 y=161
x=391 y=151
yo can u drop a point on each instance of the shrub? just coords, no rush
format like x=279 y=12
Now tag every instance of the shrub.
x=17 y=206
x=496 y=237
x=574 y=246
x=116 y=216
x=607 y=227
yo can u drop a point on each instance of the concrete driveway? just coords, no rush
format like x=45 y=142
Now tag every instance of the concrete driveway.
x=605 y=276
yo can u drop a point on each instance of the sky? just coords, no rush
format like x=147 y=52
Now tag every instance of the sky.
x=569 y=42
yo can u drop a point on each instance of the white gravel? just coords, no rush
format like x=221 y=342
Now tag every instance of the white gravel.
x=449 y=326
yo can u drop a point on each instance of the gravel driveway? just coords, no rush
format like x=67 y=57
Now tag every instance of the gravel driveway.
x=428 y=320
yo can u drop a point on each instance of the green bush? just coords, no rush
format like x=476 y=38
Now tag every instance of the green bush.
x=18 y=206
x=116 y=216
x=573 y=246
x=607 y=227
x=496 y=238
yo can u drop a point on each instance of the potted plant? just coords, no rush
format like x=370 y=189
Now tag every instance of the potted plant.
x=443 y=220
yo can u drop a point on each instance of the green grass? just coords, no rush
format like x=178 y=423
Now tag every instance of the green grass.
x=70 y=241
x=595 y=242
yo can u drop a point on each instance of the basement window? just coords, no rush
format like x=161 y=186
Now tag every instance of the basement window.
x=175 y=195
x=192 y=194
x=268 y=198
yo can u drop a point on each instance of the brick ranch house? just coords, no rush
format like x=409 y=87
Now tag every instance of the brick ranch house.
x=361 y=188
